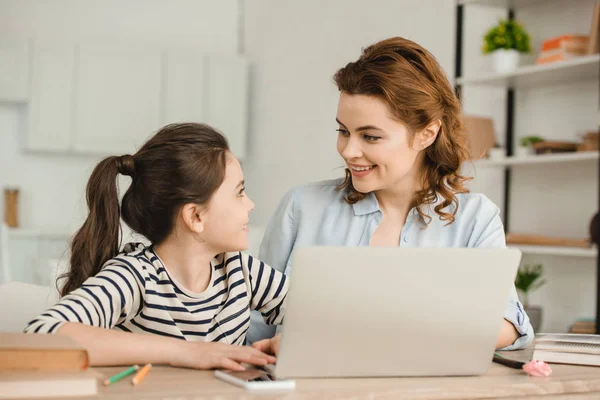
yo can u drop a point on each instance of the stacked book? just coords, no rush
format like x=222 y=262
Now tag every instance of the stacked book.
x=563 y=47
x=43 y=366
x=568 y=348
x=585 y=326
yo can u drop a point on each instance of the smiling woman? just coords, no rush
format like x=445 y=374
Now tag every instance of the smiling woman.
x=401 y=136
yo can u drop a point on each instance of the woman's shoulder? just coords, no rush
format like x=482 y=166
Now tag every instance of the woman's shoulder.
x=318 y=192
x=476 y=206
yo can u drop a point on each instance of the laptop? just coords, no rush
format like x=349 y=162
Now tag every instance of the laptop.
x=385 y=311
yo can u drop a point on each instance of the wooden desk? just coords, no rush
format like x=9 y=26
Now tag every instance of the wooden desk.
x=500 y=382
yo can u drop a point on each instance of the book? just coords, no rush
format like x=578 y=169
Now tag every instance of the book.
x=31 y=384
x=562 y=48
x=565 y=41
x=568 y=349
x=583 y=326
x=33 y=352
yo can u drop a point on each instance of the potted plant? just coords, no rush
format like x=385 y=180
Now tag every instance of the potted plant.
x=529 y=278
x=496 y=152
x=525 y=143
x=505 y=41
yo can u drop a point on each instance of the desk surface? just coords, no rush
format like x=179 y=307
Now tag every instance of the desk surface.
x=567 y=381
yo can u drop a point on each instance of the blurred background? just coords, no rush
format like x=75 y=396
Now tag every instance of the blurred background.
x=80 y=80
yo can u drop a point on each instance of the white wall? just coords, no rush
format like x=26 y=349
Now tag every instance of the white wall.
x=52 y=186
x=296 y=47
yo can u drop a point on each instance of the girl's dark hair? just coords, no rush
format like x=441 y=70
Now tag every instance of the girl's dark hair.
x=412 y=83
x=181 y=164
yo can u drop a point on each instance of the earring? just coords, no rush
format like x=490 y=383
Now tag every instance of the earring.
x=425 y=145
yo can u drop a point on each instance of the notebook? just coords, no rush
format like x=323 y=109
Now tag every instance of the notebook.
x=31 y=384
x=33 y=352
x=568 y=349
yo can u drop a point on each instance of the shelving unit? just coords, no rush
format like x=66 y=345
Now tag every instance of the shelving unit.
x=578 y=69
x=589 y=156
x=557 y=251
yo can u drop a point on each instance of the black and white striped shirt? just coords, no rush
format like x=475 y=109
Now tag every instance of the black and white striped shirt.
x=134 y=293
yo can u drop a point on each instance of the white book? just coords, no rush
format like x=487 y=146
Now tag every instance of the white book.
x=32 y=384
x=568 y=349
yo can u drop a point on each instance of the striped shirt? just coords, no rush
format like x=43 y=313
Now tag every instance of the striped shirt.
x=134 y=292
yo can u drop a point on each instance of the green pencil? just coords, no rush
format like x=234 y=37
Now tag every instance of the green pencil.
x=121 y=375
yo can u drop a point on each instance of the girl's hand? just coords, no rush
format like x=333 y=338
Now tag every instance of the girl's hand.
x=202 y=355
x=269 y=346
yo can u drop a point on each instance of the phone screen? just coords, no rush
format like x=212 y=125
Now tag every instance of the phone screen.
x=252 y=375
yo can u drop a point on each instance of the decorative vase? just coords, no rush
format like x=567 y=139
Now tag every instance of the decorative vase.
x=524 y=151
x=496 y=153
x=505 y=61
x=535 y=316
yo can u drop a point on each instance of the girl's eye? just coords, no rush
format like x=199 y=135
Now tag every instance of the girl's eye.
x=242 y=192
x=342 y=132
x=370 y=138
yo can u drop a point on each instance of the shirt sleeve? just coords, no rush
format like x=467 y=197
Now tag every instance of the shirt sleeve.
x=269 y=289
x=489 y=232
x=275 y=250
x=111 y=297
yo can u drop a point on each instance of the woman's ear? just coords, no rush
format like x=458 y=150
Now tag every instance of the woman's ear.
x=428 y=135
x=193 y=217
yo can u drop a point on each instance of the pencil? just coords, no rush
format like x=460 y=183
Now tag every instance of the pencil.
x=121 y=375
x=141 y=374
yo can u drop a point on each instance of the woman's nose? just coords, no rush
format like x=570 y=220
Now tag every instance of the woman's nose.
x=351 y=149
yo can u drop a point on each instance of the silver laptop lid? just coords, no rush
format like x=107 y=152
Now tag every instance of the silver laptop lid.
x=373 y=311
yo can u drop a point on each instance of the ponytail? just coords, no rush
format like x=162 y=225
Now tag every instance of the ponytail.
x=98 y=240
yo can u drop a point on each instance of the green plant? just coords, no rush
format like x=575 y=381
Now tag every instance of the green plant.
x=508 y=34
x=529 y=278
x=529 y=140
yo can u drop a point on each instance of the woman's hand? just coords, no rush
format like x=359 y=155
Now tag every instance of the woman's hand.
x=269 y=346
x=202 y=355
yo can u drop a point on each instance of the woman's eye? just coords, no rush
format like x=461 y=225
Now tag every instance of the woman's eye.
x=370 y=138
x=342 y=132
x=242 y=192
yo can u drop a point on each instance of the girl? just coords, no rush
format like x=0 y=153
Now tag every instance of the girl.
x=187 y=198
x=401 y=136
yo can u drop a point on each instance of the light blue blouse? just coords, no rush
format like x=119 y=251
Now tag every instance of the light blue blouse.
x=316 y=214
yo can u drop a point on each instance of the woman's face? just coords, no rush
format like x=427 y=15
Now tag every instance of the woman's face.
x=378 y=150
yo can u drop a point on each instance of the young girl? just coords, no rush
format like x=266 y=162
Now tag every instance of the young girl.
x=186 y=299
x=401 y=136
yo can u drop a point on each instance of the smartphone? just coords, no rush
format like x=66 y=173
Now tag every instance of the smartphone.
x=255 y=379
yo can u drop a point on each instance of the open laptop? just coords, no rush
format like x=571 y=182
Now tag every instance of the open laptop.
x=373 y=311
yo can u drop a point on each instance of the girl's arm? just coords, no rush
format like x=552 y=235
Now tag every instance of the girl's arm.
x=111 y=347
x=275 y=250
x=268 y=288
x=115 y=295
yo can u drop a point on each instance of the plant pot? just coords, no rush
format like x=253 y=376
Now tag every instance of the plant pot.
x=535 y=316
x=505 y=61
x=524 y=151
x=496 y=153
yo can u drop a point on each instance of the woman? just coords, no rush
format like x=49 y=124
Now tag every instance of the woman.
x=401 y=135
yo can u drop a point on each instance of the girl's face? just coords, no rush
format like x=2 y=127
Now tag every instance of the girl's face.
x=378 y=150
x=225 y=221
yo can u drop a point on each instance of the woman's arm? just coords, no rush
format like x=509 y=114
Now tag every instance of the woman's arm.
x=489 y=232
x=111 y=347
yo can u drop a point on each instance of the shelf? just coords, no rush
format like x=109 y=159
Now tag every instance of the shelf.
x=577 y=69
x=501 y=3
x=557 y=251
x=26 y=233
x=541 y=159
